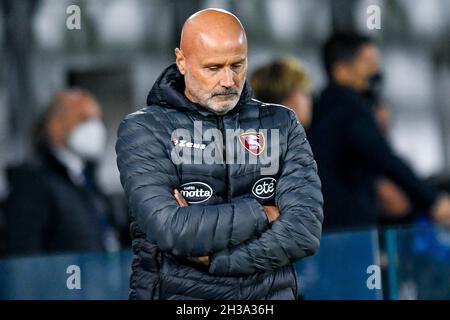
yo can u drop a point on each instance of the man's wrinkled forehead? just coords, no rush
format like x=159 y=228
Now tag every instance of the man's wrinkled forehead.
x=209 y=49
x=221 y=41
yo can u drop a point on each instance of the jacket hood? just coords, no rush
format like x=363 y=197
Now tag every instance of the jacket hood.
x=168 y=91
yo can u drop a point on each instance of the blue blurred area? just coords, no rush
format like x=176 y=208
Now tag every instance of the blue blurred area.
x=339 y=270
x=416 y=262
x=103 y=276
x=422 y=270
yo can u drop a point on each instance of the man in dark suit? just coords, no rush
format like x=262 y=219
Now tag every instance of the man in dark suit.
x=349 y=147
x=54 y=203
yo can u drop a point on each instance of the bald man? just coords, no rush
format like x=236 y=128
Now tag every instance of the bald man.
x=55 y=205
x=223 y=189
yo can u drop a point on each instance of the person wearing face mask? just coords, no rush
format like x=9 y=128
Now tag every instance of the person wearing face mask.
x=55 y=204
x=351 y=149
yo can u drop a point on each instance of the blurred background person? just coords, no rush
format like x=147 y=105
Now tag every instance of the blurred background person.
x=393 y=204
x=285 y=81
x=349 y=146
x=54 y=204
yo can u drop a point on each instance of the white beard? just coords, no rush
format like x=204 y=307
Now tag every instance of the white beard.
x=220 y=110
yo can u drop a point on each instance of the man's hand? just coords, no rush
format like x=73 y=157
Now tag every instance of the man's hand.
x=202 y=260
x=392 y=199
x=441 y=210
x=271 y=212
x=183 y=203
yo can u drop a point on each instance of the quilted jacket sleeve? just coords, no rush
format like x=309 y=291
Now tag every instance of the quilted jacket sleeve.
x=366 y=141
x=297 y=232
x=149 y=177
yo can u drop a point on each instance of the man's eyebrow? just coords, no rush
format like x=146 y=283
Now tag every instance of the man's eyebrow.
x=221 y=64
x=242 y=60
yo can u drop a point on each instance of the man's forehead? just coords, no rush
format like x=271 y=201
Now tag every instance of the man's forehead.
x=79 y=105
x=220 y=37
x=210 y=49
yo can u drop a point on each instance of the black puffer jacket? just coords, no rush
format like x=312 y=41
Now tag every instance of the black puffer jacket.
x=225 y=219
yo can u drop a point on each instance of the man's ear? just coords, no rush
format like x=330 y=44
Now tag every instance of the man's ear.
x=55 y=131
x=180 y=61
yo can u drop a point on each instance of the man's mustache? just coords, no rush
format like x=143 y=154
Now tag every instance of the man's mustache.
x=224 y=92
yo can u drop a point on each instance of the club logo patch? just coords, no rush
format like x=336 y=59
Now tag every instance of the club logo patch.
x=253 y=142
x=196 y=192
x=264 y=188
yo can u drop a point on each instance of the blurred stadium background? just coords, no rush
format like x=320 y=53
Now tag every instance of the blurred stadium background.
x=122 y=47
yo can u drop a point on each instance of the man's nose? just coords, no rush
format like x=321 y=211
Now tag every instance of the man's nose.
x=227 y=78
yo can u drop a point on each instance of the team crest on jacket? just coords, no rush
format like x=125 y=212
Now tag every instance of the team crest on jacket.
x=253 y=142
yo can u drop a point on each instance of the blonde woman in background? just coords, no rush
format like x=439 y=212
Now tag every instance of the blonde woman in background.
x=285 y=81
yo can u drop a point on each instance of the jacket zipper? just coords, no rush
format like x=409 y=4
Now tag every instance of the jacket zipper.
x=221 y=127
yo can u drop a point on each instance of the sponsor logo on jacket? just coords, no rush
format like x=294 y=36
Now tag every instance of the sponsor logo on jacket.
x=227 y=146
x=196 y=192
x=188 y=144
x=264 y=188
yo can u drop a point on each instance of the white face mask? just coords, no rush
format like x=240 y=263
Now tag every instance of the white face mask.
x=88 y=139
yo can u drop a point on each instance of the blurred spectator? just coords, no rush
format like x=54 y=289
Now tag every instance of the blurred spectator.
x=393 y=204
x=349 y=146
x=286 y=82
x=54 y=203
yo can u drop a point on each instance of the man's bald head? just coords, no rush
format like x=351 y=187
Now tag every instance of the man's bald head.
x=211 y=27
x=213 y=59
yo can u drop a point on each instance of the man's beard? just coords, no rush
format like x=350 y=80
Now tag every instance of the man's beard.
x=224 y=108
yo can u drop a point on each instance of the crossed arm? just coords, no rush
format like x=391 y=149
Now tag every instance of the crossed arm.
x=149 y=177
x=244 y=244
x=271 y=212
x=297 y=232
